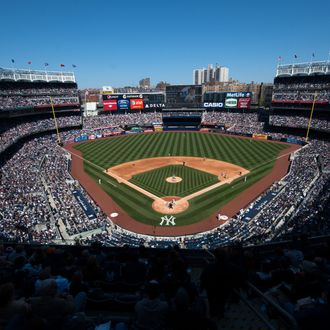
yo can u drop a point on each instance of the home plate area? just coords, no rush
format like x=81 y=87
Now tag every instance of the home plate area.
x=170 y=205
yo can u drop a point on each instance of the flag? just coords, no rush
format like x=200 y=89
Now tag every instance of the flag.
x=12 y=61
x=313 y=55
x=46 y=64
x=280 y=58
x=74 y=66
x=62 y=65
x=295 y=56
x=29 y=62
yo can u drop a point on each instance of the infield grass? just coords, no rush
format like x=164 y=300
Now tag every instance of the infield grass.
x=254 y=155
x=155 y=182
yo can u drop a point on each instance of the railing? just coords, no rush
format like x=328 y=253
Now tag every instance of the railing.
x=34 y=75
x=283 y=315
x=303 y=69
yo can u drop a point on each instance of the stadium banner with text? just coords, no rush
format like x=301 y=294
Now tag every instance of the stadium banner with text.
x=81 y=138
x=84 y=204
x=110 y=105
x=213 y=104
x=260 y=136
x=123 y=104
x=136 y=104
x=231 y=102
x=238 y=94
x=244 y=103
x=154 y=105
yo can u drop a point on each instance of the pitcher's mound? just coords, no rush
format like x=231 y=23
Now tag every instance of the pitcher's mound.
x=173 y=179
x=170 y=205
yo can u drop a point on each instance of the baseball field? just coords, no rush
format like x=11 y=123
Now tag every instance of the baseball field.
x=198 y=172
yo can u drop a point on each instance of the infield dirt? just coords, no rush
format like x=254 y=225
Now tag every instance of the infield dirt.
x=222 y=170
x=210 y=222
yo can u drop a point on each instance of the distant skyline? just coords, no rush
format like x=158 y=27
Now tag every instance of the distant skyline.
x=119 y=43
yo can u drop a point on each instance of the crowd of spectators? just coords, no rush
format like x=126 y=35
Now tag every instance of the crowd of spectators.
x=9 y=133
x=50 y=287
x=296 y=278
x=29 y=95
x=122 y=120
x=36 y=195
x=301 y=95
x=301 y=122
x=246 y=123
x=40 y=196
x=16 y=102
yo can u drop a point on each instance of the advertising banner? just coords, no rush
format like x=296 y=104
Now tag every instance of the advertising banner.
x=238 y=94
x=84 y=204
x=110 y=105
x=136 y=104
x=81 y=138
x=154 y=105
x=260 y=136
x=230 y=103
x=213 y=104
x=123 y=104
x=244 y=103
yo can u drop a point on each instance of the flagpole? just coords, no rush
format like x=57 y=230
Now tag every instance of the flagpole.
x=310 y=118
x=55 y=121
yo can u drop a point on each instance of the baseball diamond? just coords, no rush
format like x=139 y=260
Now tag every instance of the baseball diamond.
x=253 y=156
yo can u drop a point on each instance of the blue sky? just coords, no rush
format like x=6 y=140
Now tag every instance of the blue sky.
x=119 y=42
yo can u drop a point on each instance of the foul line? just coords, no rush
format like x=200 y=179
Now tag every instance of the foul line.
x=154 y=197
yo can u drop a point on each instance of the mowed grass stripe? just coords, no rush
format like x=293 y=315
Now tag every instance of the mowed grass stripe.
x=257 y=155
x=192 y=180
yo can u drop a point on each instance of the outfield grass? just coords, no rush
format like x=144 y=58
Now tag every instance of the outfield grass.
x=193 y=180
x=256 y=156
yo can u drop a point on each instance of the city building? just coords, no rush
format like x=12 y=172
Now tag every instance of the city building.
x=144 y=83
x=210 y=75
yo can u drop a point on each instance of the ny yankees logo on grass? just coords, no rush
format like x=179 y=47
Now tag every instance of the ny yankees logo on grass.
x=168 y=220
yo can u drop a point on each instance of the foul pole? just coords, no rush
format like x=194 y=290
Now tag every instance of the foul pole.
x=55 y=121
x=310 y=118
